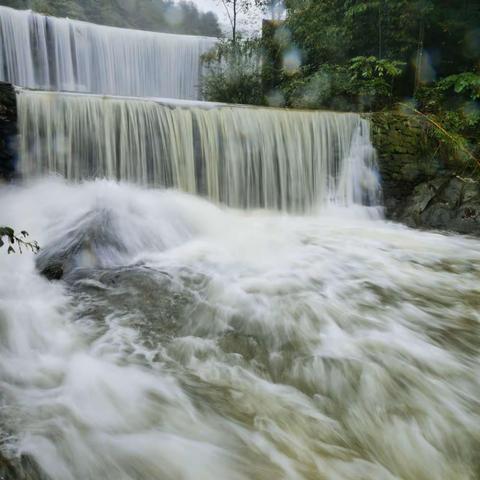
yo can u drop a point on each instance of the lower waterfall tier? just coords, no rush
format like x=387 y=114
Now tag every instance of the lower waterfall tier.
x=242 y=157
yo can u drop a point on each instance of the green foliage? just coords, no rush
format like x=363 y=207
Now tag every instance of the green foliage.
x=233 y=73
x=319 y=30
x=363 y=55
x=373 y=80
x=466 y=83
x=333 y=31
x=453 y=103
x=156 y=15
x=252 y=72
x=459 y=92
x=328 y=88
x=452 y=145
x=274 y=43
x=363 y=83
x=370 y=68
x=9 y=237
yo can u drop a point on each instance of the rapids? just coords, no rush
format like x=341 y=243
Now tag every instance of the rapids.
x=192 y=341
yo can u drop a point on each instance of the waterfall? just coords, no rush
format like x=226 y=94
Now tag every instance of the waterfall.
x=186 y=340
x=50 y=53
x=242 y=157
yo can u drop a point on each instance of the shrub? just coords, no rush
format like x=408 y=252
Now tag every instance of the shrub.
x=233 y=73
x=453 y=103
x=373 y=80
x=365 y=83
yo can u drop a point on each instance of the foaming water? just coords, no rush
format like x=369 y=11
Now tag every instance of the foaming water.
x=38 y=51
x=241 y=157
x=190 y=341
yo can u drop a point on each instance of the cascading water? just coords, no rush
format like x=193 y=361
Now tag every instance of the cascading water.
x=243 y=157
x=188 y=341
x=62 y=54
x=191 y=341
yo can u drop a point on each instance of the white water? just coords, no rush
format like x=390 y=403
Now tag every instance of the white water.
x=243 y=157
x=62 y=54
x=191 y=342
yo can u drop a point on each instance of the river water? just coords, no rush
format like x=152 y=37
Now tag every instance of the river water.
x=192 y=341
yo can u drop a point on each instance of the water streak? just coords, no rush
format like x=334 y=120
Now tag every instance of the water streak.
x=51 y=53
x=243 y=157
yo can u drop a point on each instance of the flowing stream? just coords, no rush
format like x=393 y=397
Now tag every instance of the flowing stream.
x=189 y=341
x=233 y=305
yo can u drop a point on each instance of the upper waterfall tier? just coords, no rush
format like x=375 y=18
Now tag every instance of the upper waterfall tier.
x=62 y=54
x=239 y=156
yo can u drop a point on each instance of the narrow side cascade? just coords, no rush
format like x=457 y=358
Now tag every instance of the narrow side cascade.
x=38 y=51
x=242 y=157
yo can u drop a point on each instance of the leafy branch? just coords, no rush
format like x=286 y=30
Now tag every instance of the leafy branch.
x=20 y=241
x=456 y=140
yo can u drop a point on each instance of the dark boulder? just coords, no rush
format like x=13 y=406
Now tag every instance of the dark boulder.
x=448 y=203
x=53 y=271
x=20 y=468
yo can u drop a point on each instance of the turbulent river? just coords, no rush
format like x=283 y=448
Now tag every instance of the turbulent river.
x=191 y=341
x=261 y=325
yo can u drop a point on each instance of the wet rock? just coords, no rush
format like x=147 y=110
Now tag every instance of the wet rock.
x=90 y=238
x=7 y=470
x=471 y=191
x=8 y=131
x=452 y=192
x=450 y=203
x=23 y=468
x=53 y=271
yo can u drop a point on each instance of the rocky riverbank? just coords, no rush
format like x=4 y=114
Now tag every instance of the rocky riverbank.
x=419 y=188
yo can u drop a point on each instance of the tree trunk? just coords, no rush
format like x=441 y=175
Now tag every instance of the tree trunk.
x=380 y=33
x=234 y=26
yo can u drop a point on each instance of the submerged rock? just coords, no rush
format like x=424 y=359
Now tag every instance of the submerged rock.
x=89 y=239
x=23 y=468
x=7 y=470
x=53 y=271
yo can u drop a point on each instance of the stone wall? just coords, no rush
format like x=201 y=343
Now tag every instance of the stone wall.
x=420 y=188
x=404 y=156
x=8 y=131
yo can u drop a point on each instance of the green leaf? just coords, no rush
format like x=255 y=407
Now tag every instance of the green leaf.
x=6 y=232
